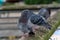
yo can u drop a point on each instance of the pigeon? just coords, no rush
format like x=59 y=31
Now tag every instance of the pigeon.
x=44 y=12
x=28 y=21
x=23 y=20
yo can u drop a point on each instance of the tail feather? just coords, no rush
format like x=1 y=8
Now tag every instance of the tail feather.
x=47 y=25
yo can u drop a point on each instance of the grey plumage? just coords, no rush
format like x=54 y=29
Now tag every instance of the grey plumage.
x=28 y=19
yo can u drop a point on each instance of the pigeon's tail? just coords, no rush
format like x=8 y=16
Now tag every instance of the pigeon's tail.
x=47 y=25
x=44 y=12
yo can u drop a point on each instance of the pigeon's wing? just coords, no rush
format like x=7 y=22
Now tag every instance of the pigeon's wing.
x=44 y=12
x=40 y=20
x=22 y=22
